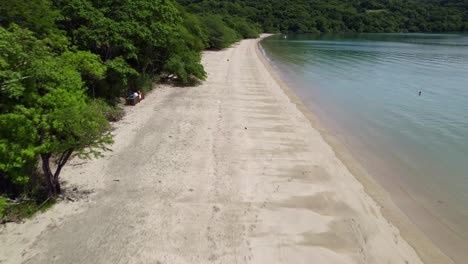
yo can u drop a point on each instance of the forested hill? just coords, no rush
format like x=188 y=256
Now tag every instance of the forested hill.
x=303 y=16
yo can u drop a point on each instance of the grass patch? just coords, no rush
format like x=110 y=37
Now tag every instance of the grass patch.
x=17 y=210
x=114 y=113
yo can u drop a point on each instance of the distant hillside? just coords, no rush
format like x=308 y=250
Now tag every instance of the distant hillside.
x=343 y=15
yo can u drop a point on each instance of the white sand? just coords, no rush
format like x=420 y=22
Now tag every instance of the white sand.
x=231 y=171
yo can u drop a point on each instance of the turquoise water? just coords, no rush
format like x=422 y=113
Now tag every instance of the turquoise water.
x=365 y=88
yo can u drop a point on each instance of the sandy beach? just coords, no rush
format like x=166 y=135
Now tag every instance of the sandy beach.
x=235 y=170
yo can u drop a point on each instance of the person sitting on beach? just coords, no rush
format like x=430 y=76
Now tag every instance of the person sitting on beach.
x=133 y=95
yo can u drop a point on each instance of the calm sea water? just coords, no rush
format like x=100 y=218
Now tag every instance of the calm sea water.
x=365 y=88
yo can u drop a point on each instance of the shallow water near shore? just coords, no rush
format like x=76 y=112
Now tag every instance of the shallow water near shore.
x=365 y=90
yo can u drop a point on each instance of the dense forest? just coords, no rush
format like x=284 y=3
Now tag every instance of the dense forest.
x=64 y=64
x=313 y=16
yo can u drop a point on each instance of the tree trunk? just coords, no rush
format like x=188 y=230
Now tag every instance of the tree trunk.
x=52 y=184
x=61 y=162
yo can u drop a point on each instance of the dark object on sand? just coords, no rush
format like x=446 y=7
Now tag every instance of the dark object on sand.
x=132 y=101
x=419 y=93
x=134 y=98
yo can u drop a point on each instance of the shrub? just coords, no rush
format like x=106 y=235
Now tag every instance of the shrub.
x=220 y=36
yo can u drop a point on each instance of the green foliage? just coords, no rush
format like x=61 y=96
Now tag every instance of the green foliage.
x=219 y=34
x=112 y=113
x=67 y=121
x=342 y=15
x=3 y=203
x=136 y=40
x=22 y=208
x=44 y=108
x=182 y=66
x=184 y=58
x=20 y=50
x=119 y=76
x=17 y=149
x=243 y=27
x=192 y=31
x=89 y=64
x=36 y=15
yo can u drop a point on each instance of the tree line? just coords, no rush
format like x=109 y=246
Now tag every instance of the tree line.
x=314 y=16
x=65 y=63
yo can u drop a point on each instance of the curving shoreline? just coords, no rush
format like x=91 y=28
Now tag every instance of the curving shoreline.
x=425 y=248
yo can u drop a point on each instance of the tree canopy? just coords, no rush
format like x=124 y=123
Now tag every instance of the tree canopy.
x=44 y=108
x=300 y=16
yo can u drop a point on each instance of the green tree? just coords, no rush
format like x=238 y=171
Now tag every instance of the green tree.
x=45 y=114
x=220 y=36
x=243 y=27
x=137 y=40
x=36 y=15
x=340 y=15
x=183 y=63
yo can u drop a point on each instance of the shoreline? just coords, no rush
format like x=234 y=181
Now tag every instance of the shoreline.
x=425 y=248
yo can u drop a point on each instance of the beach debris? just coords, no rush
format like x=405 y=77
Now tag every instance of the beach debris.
x=191 y=190
x=43 y=203
x=78 y=164
x=245 y=128
x=116 y=180
x=419 y=93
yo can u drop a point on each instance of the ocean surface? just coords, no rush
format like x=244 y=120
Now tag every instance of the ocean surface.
x=365 y=90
